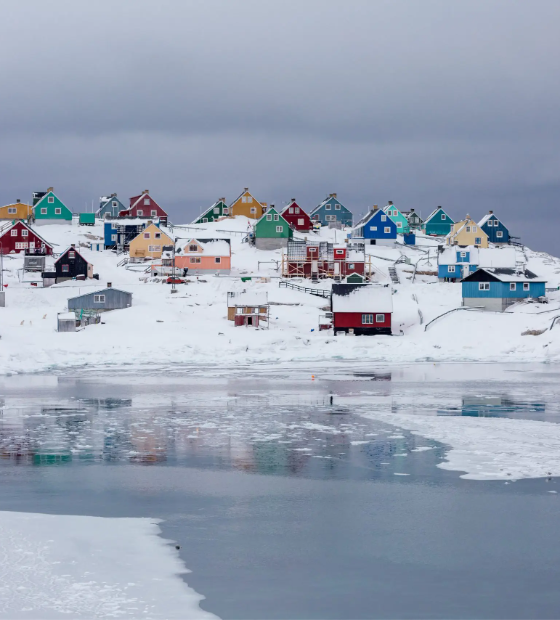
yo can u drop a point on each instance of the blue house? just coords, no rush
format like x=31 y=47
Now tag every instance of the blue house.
x=496 y=289
x=331 y=212
x=377 y=227
x=109 y=205
x=457 y=262
x=119 y=233
x=493 y=227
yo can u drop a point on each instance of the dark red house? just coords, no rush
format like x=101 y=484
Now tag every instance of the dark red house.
x=19 y=237
x=296 y=217
x=362 y=309
x=145 y=206
x=320 y=259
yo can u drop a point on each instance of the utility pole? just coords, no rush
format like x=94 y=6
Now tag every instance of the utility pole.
x=173 y=289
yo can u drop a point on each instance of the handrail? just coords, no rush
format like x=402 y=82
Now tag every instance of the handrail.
x=318 y=292
x=554 y=322
x=448 y=312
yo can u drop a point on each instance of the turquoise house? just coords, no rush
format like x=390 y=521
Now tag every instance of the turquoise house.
x=438 y=223
x=400 y=220
x=49 y=209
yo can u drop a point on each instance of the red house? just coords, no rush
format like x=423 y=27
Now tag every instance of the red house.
x=320 y=259
x=296 y=217
x=19 y=237
x=362 y=309
x=145 y=206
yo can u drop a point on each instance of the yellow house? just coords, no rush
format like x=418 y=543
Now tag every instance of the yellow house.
x=467 y=232
x=248 y=206
x=16 y=211
x=149 y=243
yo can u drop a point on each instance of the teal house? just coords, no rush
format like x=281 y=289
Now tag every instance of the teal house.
x=400 y=220
x=272 y=231
x=49 y=209
x=414 y=220
x=215 y=212
x=109 y=206
x=438 y=223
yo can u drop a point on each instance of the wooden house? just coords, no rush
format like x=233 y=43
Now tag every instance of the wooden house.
x=467 y=232
x=71 y=264
x=120 y=232
x=19 y=237
x=16 y=211
x=202 y=256
x=331 y=212
x=438 y=223
x=102 y=301
x=109 y=206
x=49 y=209
x=272 y=231
x=246 y=204
x=144 y=206
x=321 y=259
x=414 y=220
x=376 y=228
x=497 y=289
x=150 y=243
x=495 y=229
x=400 y=220
x=361 y=309
x=249 y=308
x=456 y=263
x=214 y=213
x=296 y=217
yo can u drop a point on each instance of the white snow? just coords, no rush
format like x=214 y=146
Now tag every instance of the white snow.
x=54 y=566
x=368 y=298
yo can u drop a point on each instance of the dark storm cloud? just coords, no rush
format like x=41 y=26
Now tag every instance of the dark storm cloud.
x=424 y=103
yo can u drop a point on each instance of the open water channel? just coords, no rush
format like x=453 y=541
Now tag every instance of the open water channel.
x=285 y=501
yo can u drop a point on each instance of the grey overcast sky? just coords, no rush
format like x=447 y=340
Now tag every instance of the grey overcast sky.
x=423 y=102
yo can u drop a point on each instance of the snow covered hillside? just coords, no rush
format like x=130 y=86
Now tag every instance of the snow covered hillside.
x=191 y=326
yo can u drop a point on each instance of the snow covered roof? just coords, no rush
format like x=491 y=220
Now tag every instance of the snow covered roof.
x=133 y=221
x=486 y=218
x=361 y=298
x=366 y=218
x=507 y=275
x=483 y=257
x=436 y=210
x=247 y=298
x=101 y=290
x=67 y=316
x=9 y=225
x=74 y=249
x=210 y=247
x=330 y=197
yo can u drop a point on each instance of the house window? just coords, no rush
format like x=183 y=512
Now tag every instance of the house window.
x=43 y=211
x=72 y=254
x=276 y=217
x=451 y=268
x=253 y=209
x=383 y=218
x=269 y=217
x=291 y=210
x=474 y=228
x=243 y=198
x=484 y=286
x=312 y=250
x=146 y=235
x=21 y=245
x=468 y=229
x=113 y=237
x=340 y=251
x=99 y=299
x=477 y=240
x=337 y=207
x=350 y=266
x=367 y=319
x=57 y=211
x=218 y=260
x=296 y=209
x=249 y=199
x=115 y=204
x=463 y=254
x=195 y=259
x=387 y=229
x=512 y=286
x=193 y=248
x=157 y=235
x=301 y=222
x=146 y=201
x=380 y=318
x=153 y=212
x=216 y=210
x=154 y=248
x=373 y=227
x=443 y=216
x=226 y=210
x=499 y=234
x=205 y=220
x=51 y=199
x=14 y=232
x=525 y=286
x=279 y=229
x=239 y=311
x=65 y=268
x=12 y=210
x=399 y=224
x=139 y=213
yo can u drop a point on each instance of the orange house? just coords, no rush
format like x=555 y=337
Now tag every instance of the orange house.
x=204 y=255
x=16 y=211
x=248 y=206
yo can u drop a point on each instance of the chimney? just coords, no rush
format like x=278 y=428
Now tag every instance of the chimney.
x=333 y=195
x=109 y=284
x=146 y=191
x=50 y=189
x=114 y=195
x=73 y=245
x=18 y=200
x=293 y=199
x=490 y=211
x=245 y=189
x=264 y=204
x=272 y=206
x=375 y=207
x=390 y=202
x=439 y=207
x=221 y=199
x=412 y=210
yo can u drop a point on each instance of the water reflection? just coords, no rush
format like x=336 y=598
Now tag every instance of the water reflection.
x=494 y=407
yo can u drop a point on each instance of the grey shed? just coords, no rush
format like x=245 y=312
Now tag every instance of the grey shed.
x=102 y=301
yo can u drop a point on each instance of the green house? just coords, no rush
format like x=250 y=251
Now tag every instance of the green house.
x=414 y=220
x=438 y=223
x=400 y=220
x=215 y=212
x=49 y=209
x=272 y=231
x=355 y=278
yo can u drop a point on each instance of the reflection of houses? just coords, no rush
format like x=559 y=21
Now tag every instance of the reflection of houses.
x=248 y=308
x=493 y=407
x=320 y=259
x=456 y=263
x=361 y=309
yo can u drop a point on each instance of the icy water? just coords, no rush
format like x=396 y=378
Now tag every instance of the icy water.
x=288 y=505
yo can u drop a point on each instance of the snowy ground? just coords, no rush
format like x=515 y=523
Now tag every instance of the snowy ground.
x=190 y=327
x=54 y=566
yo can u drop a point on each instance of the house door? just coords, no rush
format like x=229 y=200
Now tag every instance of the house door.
x=32 y=245
x=249 y=320
x=336 y=269
x=314 y=266
x=465 y=271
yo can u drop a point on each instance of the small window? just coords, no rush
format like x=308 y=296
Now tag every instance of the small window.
x=193 y=248
x=72 y=254
x=350 y=266
x=373 y=227
x=474 y=228
x=339 y=251
x=146 y=202
x=526 y=286
x=153 y=212
x=499 y=234
x=337 y=207
x=226 y=211
x=113 y=237
x=399 y=224
x=387 y=229
x=14 y=232
x=157 y=235
x=367 y=319
x=451 y=268
x=468 y=229
x=291 y=210
x=380 y=318
x=477 y=241
x=139 y=213
x=301 y=222
x=154 y=248
x=279 y=229
x=269 y=217
x=443 y=217
x=328 y=207
x=216 y=210
x=243 y=198
x=249 y=199
x=383 y=218
x=276 y=217
x=253 y=209
x=115 y=204
x=296 y=210
x=484 y=286
x=65 y=268
x=12 y=210
x=43 y=211
x=99 y=299
x=512 y=286
x=146 y=235
x=239 y=311
x=57 y=211
x=21 y=245
x=195 y=259
x=463 y=254
x=312 y=250
x=205 y=220
x=51 y=199
x=218 y=260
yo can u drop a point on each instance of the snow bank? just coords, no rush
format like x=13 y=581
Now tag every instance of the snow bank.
x=54 y=566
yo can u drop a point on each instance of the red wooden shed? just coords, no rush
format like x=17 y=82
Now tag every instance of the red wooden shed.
x=296 y=217
x=362 y=309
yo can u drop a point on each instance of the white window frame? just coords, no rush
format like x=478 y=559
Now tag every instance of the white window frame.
x=58 y=211
x=327 y=207
x=301 y=221
x=280 y=229
x=269 y=217
x=12 y=210
x=380 y=318
x=193 y=247
x=499 y=234
x=243 y=198
x=157 y=235
x=512 y=286
x=21 y=245
x=50 y=200
x=195 y=260
x=337 y=207
x=216 y=210
x=14 y=232
x=443 y=217
x=291 y=210
x=276 y=217
x=478 y=240
x=339 y=251
x=387 y=230
x=43 y=211
x=147 y=202
x=463 y=255
x=72 y=255
x=65 y=268
x=153 y=212
x=373 y=228
x=115 y=203
x=367 y=319
x=147 y=235
x=99 y=299
x=154 y=248
x=253 y=210
x=139 y=212
x=451 y=268
x=113 y=237
x=399 y=224
x=484 y=286
x=383 y=218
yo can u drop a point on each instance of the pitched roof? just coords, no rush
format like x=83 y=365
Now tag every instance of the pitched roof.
x=487 y=217
x=208 y=210
x=75 y=250
x=482 y=257
x=101 y=290
x=9 y=225
x=436 y=210
x=246 y=191
x=508 y=275
x=325 y=201
x=361 y=298
x=248 y=298
x=210 y=247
